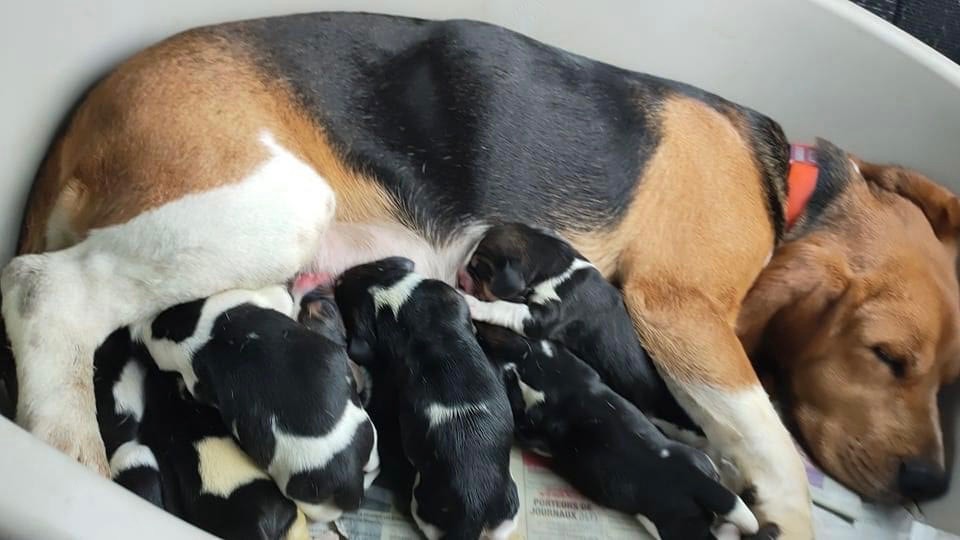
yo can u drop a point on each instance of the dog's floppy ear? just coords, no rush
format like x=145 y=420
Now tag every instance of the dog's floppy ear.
x=941 y=207
x=507 y=282
x=797 y=270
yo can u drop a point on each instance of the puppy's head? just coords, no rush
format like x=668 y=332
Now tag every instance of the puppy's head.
x=501 y=345
x=511 y=259
x=318 y=312
x=354 y=295
x=859 y=319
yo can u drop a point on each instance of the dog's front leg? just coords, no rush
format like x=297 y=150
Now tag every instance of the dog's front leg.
x=59 y=306
x=698 y=353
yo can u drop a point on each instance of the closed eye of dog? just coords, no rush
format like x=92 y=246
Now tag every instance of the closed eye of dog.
x=896 y=364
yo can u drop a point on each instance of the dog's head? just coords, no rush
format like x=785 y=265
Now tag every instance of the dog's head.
x=511 y=259
x=858 y=317
x=354 y=292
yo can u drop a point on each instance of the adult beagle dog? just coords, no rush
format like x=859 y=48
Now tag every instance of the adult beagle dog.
x=238 y=155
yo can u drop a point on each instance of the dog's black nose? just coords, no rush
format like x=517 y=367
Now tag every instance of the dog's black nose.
x=920 y=479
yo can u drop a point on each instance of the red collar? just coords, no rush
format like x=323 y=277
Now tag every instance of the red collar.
x=801 y=180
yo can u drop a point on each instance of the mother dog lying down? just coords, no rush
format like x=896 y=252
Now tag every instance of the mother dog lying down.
x=237 y=155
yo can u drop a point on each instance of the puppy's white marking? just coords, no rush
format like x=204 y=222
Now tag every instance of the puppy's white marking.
x=649 y=526
x=761 y=448
x=506 y=314
x=131 y=455
x=502 y=531
x=546 y=348
x=432 y=532
x=664 y=453
x=546 y=291
x=166 y=255
x=438 y=413
x=224 y=467
x=372 y=467
x=128 y=390
x=178 y=356
x=396 y=295
x=531 y=396
x=742 y=517
x=295 y=454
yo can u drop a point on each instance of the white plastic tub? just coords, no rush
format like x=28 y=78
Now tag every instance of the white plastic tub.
x=820 y=67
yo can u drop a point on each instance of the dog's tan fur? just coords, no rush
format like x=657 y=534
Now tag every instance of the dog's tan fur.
x=182 y=118
x=171 y=122
x=875 y=275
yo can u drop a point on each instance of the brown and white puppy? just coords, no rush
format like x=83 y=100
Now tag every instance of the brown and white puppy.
x=213 y=160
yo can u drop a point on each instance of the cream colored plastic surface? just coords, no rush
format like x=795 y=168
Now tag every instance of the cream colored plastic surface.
x=821 y=67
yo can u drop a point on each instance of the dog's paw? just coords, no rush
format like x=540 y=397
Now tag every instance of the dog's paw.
x=75 y=436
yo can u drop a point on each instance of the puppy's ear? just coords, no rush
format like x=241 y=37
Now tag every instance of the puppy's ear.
x=360 y=351
x=941 y=207
x=508 y=282
x=796 y=272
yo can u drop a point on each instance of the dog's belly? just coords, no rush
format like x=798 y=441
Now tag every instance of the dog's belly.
x=350 y=244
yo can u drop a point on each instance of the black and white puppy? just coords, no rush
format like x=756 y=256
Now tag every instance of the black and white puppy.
x=286 y=392
x=208 y=480
x=538 y=285
x=454 y=418
x=119 y=378
x=176 y=452
x=378 y=394
x=604 y=446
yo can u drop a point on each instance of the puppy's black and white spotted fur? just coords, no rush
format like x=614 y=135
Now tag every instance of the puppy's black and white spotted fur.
x=176 y=452
x=538 y=285
x=454 y=418
x=604 y=446
x=120 y=372
x=285 y=391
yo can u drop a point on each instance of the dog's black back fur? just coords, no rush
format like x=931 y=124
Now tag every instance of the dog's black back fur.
x=527 y=129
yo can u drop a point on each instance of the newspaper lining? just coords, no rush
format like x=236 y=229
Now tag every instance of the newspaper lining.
x=552 y=510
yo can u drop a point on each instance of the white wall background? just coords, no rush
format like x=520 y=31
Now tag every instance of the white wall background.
x=821 y=67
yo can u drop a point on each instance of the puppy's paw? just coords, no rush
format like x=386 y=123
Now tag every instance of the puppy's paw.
x=768 y=531
x=76 y=437
x=473 y=303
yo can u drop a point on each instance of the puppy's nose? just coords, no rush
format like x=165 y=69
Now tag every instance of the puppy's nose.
x=921 y=479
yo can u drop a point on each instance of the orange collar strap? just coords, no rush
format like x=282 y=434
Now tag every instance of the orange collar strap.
x=801 y=180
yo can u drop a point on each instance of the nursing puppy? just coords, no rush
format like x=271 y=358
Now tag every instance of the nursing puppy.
x=378 y=393
x=538 y=285
x=604 y=446
x=286 y=392
x=120 y=371
x=454 y=418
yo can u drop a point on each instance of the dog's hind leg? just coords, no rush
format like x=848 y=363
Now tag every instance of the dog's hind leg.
x=59 y=306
